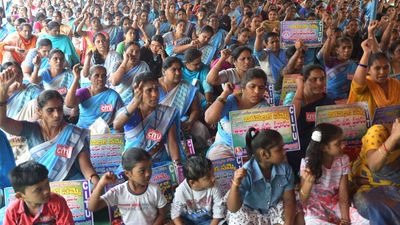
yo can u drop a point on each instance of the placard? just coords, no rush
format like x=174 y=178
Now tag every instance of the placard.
x=288 y=85
x=165 y=177
x=105 y=151
x=354 y=120
x=279 y=118
x=386 y=114
x=76 y=193
x=224 y=169
x=271 y=26
x=269 y=95
x=309 y=31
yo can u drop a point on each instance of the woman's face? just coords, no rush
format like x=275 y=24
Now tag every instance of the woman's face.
x=195 y=65
x=130 y=35
x=150 y=94
x=155 y=46
x=98 y=78
x=352 y=28
x=174 y=73
x=396 y=53
x=255 y=23
x=95 y=24
x=213 y=22
x=55 y=31
x=273 y=16
x=244 y=37
x=344 y=51
x=273 y=43
x=180 y=28
x=134 y=53
x=101 y=43
x=244 y=61
x=26 y=32
x=254 y=90
x=126 y=24
x=299 y=62
x=379 y=70
x=57 y=61
x=52 y=113
x=316 y=82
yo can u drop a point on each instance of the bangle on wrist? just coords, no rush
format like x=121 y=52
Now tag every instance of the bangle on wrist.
x=93 y=175
x=235 y=184
x=302 y=193
x=222 y=100
x=363 y=65
x=127 y=113
x=384 y=148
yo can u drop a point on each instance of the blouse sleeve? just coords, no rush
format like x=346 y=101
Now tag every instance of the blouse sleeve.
x=375 y=137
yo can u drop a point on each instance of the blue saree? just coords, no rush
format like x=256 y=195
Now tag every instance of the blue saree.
x=63 y=43
x=18 y=100
x=181 y=97
x=61 y=83
x=104 y=105
x=124 y=89
x=159 y=120
x=60 y=154
x=339 y=79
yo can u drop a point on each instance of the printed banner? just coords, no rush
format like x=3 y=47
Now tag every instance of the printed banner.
x=279 y=118
x=354 y=120
x=269 y=95
x=166 y=178
x=76 y=193
x=386 y=114
x=105 y=151
x=310 y=31
x=288 y=85
x=224 y=169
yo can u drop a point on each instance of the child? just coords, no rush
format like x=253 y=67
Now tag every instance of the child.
x=35 y=203
x=139 y=201
x=197 y=196
x=324 y=172
x=262 y=191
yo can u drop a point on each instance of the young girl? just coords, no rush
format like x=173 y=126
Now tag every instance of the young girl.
x=262 y=191
x=197 y=199
x=139 y=201
x=323 y=192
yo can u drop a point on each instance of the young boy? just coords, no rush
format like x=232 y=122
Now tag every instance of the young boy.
x=197 y=200
x=35 y=203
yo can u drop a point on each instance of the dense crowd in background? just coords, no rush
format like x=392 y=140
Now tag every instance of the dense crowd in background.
x=162 y=72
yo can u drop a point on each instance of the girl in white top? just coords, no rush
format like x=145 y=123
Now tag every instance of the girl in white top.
x=139 y=201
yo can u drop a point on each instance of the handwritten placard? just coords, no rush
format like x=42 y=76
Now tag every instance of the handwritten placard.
x=386 y=114
x=309 y=31
x=105 y=151
x=224 y=170
x=288 y=85
x=279 y=118
x=354 y=120
x=165 y=177
x=76 y=193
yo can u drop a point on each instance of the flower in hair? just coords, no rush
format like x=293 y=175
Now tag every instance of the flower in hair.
x=316 y=136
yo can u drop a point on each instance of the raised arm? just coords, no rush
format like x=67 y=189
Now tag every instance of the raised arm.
x=34 y=77
x=327 y=47
x=123 y=117
x=9 y=125
x=95 y=202
x=81 y=24
x=360 y=76
x=231 y=32
x=116 y=77
x=235 y=201
x=213 y=113
x=212 y=76
x=71 y=99
x=371 y=35
x=300 y=48
x=182 y=48
x=258 y=44
x=384 y=44
x=86 y=64
x=298 y=96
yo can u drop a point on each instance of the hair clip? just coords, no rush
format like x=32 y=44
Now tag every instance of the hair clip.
x=316 y=136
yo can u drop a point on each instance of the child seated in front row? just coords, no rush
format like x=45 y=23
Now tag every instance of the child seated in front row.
x=35 y=203
x=197 y=199
x=138 y=200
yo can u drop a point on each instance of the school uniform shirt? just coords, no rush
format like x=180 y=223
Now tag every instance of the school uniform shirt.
x=261 y=194
x=55 y=211
x=136 y=209
x=186 y=200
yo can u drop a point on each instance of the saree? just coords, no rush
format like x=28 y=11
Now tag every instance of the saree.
x=3 y=33
x=61 y=83
x=160 y=120
x=223 y=145
x=378 y=195
x=217 y=43
x=104 y=105
x=18 y=100
x=64 y=43
x=87 y=43
x=339 y=79
x=7 y=161
x=374 y=95
x=59 y=154
x=124 y=89
x=17 y=40
x=181 y=97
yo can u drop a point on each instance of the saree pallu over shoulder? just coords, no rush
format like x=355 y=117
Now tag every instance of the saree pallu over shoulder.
x=124 y=89
x=59 y=154
x=159 y=120
x=19 y=100
x=60 y=83
x=104 y=105
x=393 y=97
x=181 y=97
x=339 y=79
x=65 y=44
